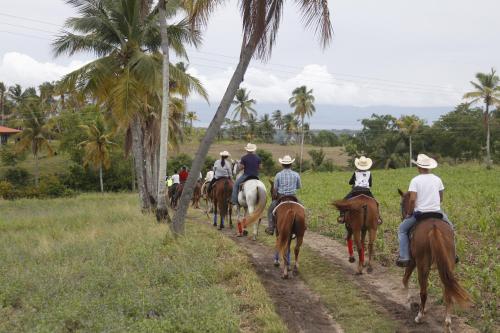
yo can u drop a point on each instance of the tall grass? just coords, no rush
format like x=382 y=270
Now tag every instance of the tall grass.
x=472 y=202
x=95 y=264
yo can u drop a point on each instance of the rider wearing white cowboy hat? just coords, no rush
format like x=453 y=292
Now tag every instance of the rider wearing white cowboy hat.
x=426 y=195
x=286 y=182
x=361 y=182
x=250 y=163
x=222 y=168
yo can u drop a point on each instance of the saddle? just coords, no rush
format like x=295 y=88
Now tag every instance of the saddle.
x=249 y=178
x=287 y=198
x=422 y=217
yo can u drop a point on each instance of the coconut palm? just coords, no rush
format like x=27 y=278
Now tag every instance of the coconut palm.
x=97 y=148
x=408 y=126
x=302 y=101
x=191 y=117
x=126 y=77
x=487 y=90
x=243 y=109
x=261 y=20
x=36 y=132
x=278 y=119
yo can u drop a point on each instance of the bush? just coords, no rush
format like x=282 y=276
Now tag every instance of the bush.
x=174 y=164
x=7 y=190
x=18 y=177
x=318 y=156
x=51 y=187
x=208 y=165
x=268 y=166
x=10 y=157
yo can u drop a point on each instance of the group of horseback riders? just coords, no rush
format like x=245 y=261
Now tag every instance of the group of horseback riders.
x=425 y=190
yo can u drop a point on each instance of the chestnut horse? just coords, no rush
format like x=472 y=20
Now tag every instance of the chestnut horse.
x=221 y=196
x=290 y=220
x=195 y=201
x=433 y=243
x=361 y=216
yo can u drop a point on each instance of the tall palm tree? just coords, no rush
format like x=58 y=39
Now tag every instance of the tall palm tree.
x=290 y=125
x=3 y=90
x=487 y=90
x=127 y=75
x=302 y=101
x=278 y=119
x=244 y=103
x=260 y=20
x=36 y=132
x=408 y=126
x=97 y=148
x=191 y=117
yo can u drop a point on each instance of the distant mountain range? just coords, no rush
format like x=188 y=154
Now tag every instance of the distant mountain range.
x=329 y=116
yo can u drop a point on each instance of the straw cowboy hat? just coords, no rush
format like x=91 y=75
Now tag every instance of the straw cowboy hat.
x=363 y=163
x=286 y=160
x=224 y=153
x=250 y=147
x=425 y=162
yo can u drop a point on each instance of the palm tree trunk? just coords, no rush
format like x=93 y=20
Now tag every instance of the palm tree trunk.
x=487 y=123
x=301 y=146
x=138 y=153
x=238 y=75
x=100 y=178
x=37 y=170
x=411 y=152
x=161 y=208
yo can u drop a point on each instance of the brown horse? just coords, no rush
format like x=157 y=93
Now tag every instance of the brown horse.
x=176 y=195
x=195 y=201
x=290 y=220
x=361 y=217
x=433 y=243
x=221 y=197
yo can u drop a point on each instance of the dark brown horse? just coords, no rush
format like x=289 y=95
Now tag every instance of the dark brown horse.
x=290 y=219
x=176 y=195
x=195 y=201
x=361 y=217
x=221 y=197
x=433 y=243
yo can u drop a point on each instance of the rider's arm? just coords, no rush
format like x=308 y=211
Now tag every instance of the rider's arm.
x=299 y=184
x=411 y=205
x=441 y=195
x=370 y=180
x=353 y=179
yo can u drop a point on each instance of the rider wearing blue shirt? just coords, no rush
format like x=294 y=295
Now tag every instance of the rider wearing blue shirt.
x=251 y=165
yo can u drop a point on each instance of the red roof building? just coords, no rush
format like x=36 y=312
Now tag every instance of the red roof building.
x=5 y=132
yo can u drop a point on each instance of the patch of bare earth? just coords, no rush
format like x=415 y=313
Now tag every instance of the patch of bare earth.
x=385 y=288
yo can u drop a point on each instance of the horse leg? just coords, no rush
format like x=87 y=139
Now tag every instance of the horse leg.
x=298 y=243
x=256 y=230
x=363 y=245
x=406 y=278
x=276 y=256
x=359 y=247
x=349 y=245
x=372 y=235
x=423 y=276
x=215 y=214
x=447 y=319
x=286 y=260
x=230 y=212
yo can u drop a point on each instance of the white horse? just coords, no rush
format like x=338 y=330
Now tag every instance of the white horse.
x=252 y=198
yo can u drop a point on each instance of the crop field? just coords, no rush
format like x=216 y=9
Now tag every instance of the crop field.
x=96 y=264
x=472 y=202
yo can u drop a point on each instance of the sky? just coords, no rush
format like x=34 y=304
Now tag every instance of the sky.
x=408 y=56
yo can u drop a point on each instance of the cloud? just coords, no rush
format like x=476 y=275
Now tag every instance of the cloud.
x=20 y=68
x=273 y=85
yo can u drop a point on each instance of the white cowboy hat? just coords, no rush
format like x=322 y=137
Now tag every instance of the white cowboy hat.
x=224 y=153
x=286 y=160
x=363 y=163
x=250 y=147
x=425 y=162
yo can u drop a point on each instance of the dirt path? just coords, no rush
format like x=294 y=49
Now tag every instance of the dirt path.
x=385 y=288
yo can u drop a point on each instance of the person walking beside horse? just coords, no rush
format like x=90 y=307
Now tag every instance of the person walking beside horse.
x=432 y=238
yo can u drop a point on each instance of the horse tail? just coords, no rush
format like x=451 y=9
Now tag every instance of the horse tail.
x=259 y=209
x=440 y=254
x=285 y=235
x=225 y=196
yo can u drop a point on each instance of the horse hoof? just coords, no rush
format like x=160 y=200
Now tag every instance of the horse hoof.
x=215 y=224
x=239 y=235
x=276 y=263
x=254 y=238
x=245 y=232
x=284 y=276
x=352 y=259
x=359 y=273
x=220 y=228
x=370 y=269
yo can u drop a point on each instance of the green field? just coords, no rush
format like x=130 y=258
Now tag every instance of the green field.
x=96 y=264
x=472 y=203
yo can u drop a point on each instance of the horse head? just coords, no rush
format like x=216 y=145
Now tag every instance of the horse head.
x=274 y=195
x=405 y=203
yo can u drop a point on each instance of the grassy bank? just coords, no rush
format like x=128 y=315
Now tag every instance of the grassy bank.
x=94 y=264
x=472 y=202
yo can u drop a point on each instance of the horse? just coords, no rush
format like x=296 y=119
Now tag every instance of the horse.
x=290 y=220
x=361 y=217
x=252 y=198
x=221 y=196
x=175 y=198
x=195 y=201
x=433 y=243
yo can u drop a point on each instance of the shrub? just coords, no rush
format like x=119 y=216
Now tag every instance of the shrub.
x=208 y=165
x=10 y=157
x=7 y=190
x=318 y=156
x=17 y=176
x=268 y=164
x=175 y=163
x=51 y=187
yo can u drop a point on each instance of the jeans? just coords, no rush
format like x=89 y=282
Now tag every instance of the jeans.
x=270 y=217
x=403 y=234
x=236 y=188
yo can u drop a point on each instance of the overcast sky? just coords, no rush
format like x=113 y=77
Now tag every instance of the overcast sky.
x=384 y=52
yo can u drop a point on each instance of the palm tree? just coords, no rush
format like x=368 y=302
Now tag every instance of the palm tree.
x=290 y=125
x=408 y=126
x=191 y=116
x=302 y=101
x=487 y=90
x=97 y=148
x=243 y=107
x=36 y=132
x=2 y=101
x=266 y=128
x=278 y=119
x=126 y=77
x=261 y=19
